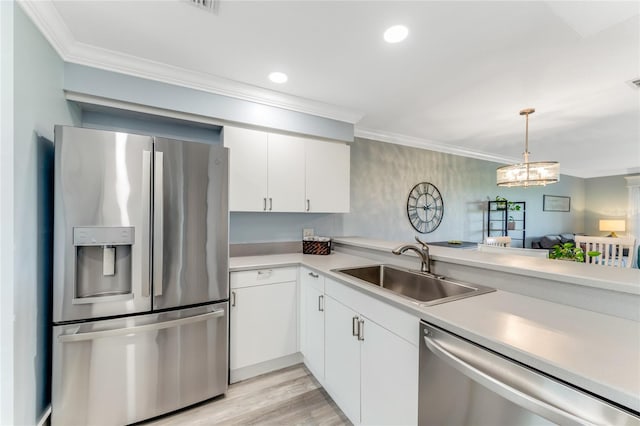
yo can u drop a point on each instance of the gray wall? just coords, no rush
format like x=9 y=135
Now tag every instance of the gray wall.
x=38 y=105
x=382 y=175
x=266 y=227
x=607 y=198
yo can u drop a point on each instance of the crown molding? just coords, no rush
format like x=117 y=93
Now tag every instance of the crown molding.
x=399 y=139
x=588 y=174
x=50 y=23
x=633 y=181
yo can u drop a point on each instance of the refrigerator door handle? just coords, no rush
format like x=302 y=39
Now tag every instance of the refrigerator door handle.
x=92 y=335
x=146 y=226
x=158 y=223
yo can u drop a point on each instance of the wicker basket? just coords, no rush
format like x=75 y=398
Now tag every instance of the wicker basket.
x=316 y=247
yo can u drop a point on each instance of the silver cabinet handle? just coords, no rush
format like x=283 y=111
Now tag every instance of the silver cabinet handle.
x=233 y=298
x=158 y=223
x=265 y=272
x=146 y=226
x=494 y=384
x=321 y=303
x=355 y=329
x=92 y=335
x=308 y=204
x=270 y=203
x=361 y=330
x=264 y=205
x=312 y=275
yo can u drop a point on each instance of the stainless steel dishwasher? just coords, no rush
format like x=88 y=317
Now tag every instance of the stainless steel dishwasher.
x=462 y=383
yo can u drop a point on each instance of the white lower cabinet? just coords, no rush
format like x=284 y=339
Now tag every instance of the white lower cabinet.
x=263 y=320
x=314 y=332
x=342 y=358
x=363 y=351
x=370 y=372
x=389 y=379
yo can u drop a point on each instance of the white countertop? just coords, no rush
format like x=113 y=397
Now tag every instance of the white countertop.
x=596 y=352
x=625 y=280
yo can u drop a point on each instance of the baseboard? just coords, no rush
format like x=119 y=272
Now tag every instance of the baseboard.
x=264 y=367
x=45 y=418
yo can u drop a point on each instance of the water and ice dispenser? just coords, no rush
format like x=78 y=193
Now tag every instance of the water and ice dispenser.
x=102 y=262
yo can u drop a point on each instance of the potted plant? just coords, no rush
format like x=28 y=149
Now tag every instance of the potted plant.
x=501 y=203
x=568 y=251
x=504 y=204
x=511 y=224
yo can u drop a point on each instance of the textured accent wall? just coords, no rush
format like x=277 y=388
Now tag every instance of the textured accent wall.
x=382 y=175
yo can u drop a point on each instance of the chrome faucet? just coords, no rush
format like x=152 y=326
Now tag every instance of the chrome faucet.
x=423 y=252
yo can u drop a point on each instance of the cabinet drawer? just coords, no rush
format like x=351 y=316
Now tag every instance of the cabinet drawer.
x=311 y=278
x=262 y=276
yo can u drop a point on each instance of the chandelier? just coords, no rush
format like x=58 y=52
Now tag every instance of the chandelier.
x=526 y=173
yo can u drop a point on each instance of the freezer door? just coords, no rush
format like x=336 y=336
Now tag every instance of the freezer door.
x=117 y=372
x=191 y=221
x=101 y=224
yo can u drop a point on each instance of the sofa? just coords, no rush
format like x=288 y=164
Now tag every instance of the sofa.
x=548 y=241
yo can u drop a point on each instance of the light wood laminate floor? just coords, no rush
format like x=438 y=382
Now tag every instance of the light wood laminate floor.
x=290 y=396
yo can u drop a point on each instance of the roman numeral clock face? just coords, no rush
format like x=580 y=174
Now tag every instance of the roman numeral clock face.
x=425 y=207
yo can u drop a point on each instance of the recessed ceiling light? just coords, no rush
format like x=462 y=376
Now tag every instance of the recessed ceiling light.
x=396 y=34
x=278 y=77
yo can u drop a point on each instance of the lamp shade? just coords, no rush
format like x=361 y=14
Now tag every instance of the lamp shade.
x=612 y=225
x=528 y=174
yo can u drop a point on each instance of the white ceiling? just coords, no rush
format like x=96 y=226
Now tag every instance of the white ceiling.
x=455 y=84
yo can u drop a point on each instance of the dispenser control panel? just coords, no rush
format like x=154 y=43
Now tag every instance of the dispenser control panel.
x=103 y=235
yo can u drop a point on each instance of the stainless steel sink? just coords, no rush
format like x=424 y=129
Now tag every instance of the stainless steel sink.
x=423 y=288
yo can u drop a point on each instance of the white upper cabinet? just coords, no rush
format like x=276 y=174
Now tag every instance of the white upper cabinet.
x=285 y=174
x=327 y=167
x=282 y=173
x=247 y=169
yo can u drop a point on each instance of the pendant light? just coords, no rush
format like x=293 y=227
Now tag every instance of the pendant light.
x=528 y=174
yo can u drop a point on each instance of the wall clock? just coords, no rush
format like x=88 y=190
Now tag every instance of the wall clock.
x=425 y=207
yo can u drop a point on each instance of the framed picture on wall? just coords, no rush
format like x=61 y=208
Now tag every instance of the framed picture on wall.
x=556 y=203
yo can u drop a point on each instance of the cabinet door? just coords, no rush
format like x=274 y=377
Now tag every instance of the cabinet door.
x=285 y=173
x=389 y=381
x=263 y=324
x=308 y=279
x=247 y=169
x=314 y=332
x=327 y=176
x=342 y=358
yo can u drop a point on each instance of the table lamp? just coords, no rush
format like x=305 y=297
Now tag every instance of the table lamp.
x=612 y=225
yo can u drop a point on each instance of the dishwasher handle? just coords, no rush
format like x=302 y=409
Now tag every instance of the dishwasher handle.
x=501 y=388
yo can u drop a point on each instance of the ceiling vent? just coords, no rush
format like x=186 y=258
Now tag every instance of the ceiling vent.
x=208 y=5
x=635 y=83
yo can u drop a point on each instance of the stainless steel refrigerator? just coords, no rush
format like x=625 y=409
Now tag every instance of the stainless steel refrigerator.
x=140 y=287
